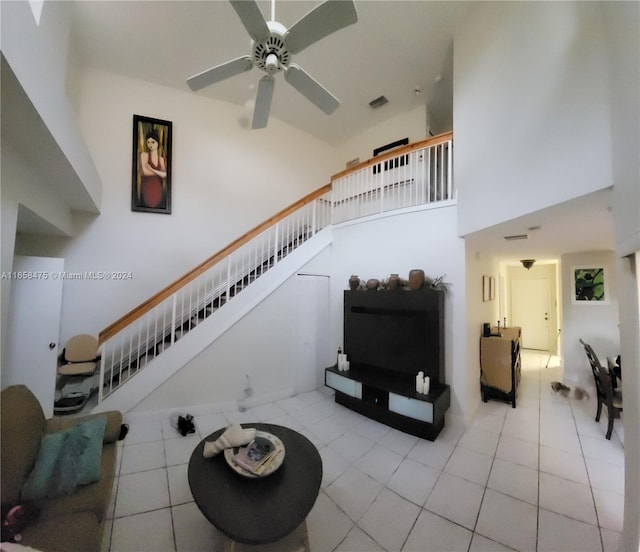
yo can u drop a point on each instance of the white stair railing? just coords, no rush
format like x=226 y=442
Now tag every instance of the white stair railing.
x=420 y=174
x=130 y=349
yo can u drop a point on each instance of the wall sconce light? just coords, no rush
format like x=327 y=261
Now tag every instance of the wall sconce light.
x=527 y=263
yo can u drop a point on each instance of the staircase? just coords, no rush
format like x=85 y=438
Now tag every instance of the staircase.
x=123 y=368
x=157 y=338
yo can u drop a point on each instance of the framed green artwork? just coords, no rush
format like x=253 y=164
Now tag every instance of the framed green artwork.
x=590 y=285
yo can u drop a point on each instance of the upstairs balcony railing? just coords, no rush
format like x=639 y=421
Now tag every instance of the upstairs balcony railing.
x=415 y=175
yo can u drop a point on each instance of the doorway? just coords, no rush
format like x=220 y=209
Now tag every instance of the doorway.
x=533 y=305
x=34 y=327
x=312 y=330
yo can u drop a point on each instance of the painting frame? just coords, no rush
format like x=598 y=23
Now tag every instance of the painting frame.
x=590 y=284
x=151 y=182
x=486 y=288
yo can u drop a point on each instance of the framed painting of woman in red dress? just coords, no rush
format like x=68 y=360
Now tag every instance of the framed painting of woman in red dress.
x=151 y=177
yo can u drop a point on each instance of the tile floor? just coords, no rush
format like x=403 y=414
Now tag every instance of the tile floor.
x=540 y=477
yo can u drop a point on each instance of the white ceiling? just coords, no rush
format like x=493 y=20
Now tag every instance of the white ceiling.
x=394 y=47
x=583 y=224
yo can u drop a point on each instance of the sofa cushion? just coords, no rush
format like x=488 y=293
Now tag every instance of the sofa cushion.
x=87 y=498
x=50 y=476
x=65 y=460
x=91 y=457
x=111 y=434
x=23 y=425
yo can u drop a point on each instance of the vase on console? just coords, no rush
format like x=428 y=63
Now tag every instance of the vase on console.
x=416 y=278
x=394 y=282
x=354 y=282
x=372 y=284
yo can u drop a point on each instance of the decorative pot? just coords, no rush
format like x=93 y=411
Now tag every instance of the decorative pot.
x=372 y=284
x=394 y=282
x=416 y=278
x=354 y=282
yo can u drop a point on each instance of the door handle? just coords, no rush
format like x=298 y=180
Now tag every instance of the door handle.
x=52 y=345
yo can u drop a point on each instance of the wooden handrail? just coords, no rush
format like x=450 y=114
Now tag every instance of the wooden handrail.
x=163 y=294
x=428 y=142
x=172 y=288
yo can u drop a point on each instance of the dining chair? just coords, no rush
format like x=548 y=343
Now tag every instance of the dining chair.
x=614 y=370
x=605 y=392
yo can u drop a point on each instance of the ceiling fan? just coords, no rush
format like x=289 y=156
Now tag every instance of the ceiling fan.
x=272 y=48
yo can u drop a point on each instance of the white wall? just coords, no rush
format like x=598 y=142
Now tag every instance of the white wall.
x=226 y=180
x=37 y=55
x=629 y=287
x=421 y=239
x=412 y=124
x=24 y=186
x=623 y=42
x=396 y=244
x=8 y=223
x=478 y=264
x=21 y=186
x=531 y=109
x=260 y=345
x=597 y=324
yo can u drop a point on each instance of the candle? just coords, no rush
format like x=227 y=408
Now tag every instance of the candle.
x=426 y=385
x=419 y=382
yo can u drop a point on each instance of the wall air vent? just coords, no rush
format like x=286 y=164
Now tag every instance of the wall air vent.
x=516 y=237
x=378 y=102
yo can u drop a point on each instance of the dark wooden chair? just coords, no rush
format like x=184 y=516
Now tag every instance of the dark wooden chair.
x=605 y=392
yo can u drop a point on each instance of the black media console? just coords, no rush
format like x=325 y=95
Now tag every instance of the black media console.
x=389 y=336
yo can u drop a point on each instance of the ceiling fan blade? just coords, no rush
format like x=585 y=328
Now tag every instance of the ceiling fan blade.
x=311 y=89
x=220 y=72
x=263 y=102
x=252 y=18
x=327 y=18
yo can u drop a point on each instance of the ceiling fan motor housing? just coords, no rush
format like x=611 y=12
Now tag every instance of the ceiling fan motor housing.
x=274 y=45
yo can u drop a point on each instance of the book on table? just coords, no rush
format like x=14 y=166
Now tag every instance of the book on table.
x=255 y=456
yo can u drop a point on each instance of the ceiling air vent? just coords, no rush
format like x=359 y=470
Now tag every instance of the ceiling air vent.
x=516 y=237
x=378 y=102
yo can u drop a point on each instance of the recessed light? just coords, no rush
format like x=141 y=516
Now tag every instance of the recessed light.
x=533 y=228
x=516 y=237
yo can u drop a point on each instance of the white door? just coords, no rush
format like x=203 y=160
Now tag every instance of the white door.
x=34 y=327
x=530 y=304
x=311 y=341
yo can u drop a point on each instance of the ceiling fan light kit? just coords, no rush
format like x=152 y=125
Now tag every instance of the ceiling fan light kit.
x=272 y=49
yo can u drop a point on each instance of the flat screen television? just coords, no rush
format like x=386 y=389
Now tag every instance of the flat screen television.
x=394 y=331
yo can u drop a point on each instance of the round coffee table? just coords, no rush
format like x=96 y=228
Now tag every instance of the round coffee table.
x=263 y=510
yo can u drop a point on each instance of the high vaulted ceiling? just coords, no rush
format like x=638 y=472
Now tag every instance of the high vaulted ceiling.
x=395 y=47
